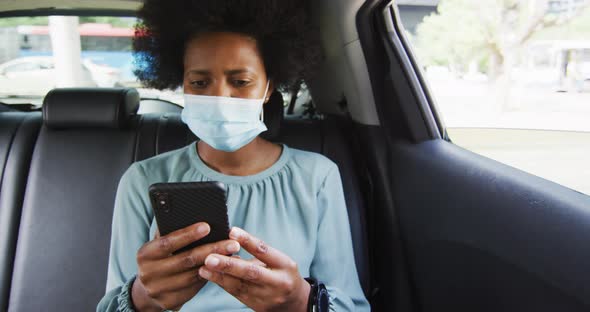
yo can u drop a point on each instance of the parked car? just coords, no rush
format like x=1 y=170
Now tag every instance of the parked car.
x=36 y=75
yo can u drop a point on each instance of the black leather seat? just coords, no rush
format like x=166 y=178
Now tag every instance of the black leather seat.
x=18 y=132
x=88 y=139
x=85 y=144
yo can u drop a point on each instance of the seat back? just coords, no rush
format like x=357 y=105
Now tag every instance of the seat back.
x=86 y=143
x=18 y=132
x=333 y=138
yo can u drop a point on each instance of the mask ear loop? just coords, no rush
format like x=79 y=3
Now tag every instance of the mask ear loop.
x=263 y=101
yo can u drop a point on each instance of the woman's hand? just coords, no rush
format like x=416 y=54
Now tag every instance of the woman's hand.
x=165 y=281
x=270 y=282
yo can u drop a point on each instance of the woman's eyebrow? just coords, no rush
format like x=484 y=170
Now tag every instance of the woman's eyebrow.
x=198 y=72
x=236 y=71
x=228 y=72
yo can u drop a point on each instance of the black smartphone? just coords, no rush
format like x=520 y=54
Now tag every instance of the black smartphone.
x=178 y=205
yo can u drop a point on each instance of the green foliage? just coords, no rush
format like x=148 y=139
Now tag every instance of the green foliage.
x=124 y=22
x=18 y=21
x=465 y=31
x=452 y=36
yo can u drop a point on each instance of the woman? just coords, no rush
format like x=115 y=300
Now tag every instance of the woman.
x=230 y=55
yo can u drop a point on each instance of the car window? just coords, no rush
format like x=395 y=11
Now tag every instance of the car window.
x=511 y=79
x=103 y=48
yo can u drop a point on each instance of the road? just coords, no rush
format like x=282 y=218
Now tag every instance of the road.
x=538 y=130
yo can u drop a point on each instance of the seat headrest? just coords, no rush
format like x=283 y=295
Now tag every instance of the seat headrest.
x=274 y=112
x=89 y=108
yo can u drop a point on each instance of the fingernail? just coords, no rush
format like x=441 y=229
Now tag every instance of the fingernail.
x=212 y=261
x=206 y=274
x=233 y=247
x=203 y=228
x=235 y=233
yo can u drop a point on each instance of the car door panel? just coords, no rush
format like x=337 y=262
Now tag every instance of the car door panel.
x=476 y=235
x=483 y=236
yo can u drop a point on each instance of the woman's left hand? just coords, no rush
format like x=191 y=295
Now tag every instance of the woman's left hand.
x=270 y=282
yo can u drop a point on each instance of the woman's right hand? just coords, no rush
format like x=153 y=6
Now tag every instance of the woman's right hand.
x=166 y=281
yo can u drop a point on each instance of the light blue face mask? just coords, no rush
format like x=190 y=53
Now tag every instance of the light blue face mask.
x=225 y=123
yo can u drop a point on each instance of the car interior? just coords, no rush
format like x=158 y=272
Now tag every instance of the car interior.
x=434 y=227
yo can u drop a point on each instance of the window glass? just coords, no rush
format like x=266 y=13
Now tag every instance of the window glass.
x=29 y=60
x=511 y=79
x=21 y=67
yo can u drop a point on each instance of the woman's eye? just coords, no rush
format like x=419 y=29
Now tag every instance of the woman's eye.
x=240 y=83
x=199 y=83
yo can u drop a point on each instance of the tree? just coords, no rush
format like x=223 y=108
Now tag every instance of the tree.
x=492 y=32
x=452 y=36
x=463 y=31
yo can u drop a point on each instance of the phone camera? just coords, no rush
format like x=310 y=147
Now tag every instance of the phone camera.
x=162 y=200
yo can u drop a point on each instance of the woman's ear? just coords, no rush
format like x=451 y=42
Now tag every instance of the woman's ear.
x=271 y=89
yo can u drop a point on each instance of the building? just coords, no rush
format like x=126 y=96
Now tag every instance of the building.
x=566 y=6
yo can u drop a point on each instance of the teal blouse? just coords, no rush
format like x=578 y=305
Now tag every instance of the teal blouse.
x=297 y=206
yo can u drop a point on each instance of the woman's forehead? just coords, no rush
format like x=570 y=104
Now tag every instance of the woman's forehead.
x=222 y=52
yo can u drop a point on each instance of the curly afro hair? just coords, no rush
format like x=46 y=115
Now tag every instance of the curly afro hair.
x=286 y=38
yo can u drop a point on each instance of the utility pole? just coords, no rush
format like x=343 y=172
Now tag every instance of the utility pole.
x=65 y=41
